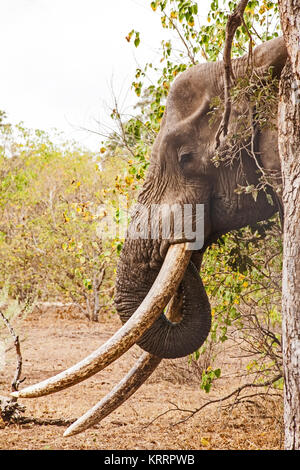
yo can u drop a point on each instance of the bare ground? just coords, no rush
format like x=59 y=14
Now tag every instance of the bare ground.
x=52 y=341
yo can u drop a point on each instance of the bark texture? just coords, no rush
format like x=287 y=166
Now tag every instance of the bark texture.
x=289 y=149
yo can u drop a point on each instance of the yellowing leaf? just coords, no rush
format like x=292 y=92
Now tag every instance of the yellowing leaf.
x=262 y=9
x=102 y=214
x=205 y=442
x=129 y=180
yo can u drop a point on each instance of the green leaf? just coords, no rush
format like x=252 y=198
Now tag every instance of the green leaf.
x=137 y=39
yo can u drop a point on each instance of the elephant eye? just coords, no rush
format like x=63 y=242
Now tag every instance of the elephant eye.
x=185 y=158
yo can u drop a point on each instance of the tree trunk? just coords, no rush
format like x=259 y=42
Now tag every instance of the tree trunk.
x=289 y=148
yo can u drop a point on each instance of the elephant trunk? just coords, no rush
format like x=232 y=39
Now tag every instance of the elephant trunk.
x=167 y=337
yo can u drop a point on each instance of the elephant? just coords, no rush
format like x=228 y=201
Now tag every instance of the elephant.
x=160 y=296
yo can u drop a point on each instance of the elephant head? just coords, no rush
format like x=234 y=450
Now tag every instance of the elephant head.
x=162 y=272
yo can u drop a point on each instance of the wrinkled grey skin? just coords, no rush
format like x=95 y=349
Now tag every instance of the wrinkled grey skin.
x=181 y=171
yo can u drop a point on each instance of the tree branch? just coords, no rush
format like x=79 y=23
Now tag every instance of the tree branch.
x=16 y=380
x=190 y=55
x=234 y=21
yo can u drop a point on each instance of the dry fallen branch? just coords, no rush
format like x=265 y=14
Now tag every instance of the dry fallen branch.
x=45 y=422
x=11 y=413
x=10 y=410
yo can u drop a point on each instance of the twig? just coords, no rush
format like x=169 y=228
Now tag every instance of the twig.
x=45 y=422
x=168 y=411
x=191 y=57
x=234 y=21
x=235 y=393
x=97 y=282
x=63 y=287
x=251 y=42
x=16 y=380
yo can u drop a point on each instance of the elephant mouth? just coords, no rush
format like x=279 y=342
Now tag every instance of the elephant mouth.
x=175 y=289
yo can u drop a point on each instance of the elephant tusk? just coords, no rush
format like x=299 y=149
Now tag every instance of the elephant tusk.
x=139 y=373
x=163 y=288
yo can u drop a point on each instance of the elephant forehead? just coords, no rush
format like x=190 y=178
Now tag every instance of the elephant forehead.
x=186 y=132
x=179 y=134
x=190 y=91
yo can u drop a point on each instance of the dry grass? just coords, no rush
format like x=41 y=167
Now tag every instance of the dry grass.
x=53 y=341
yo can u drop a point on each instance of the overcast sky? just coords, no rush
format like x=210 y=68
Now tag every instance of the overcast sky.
x=61 y=57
